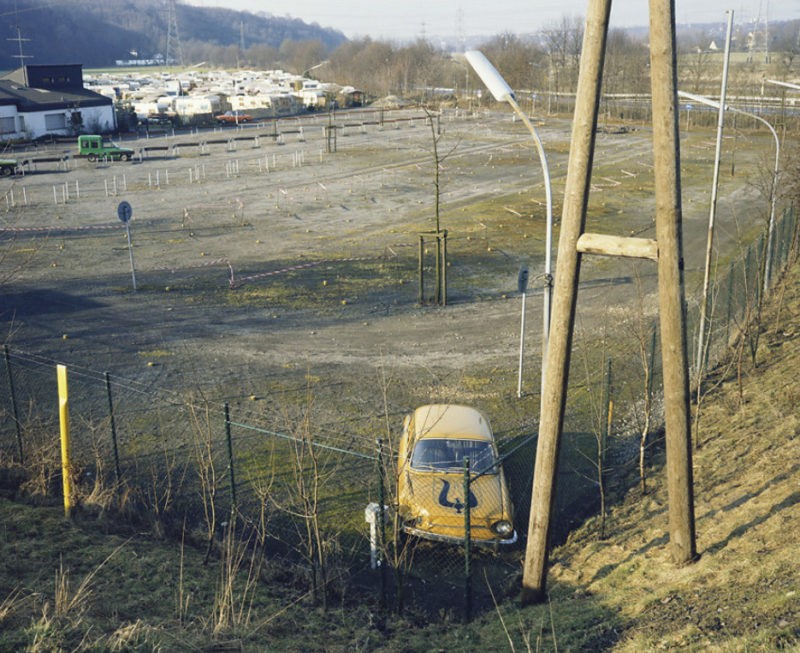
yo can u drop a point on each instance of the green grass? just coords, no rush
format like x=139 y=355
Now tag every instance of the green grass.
x=621 y=593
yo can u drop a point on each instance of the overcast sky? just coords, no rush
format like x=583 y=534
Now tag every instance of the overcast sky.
x=407 y=19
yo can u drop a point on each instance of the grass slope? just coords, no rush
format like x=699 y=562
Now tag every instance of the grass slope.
x=78 y=586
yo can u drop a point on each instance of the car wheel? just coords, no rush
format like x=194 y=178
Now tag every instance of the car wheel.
x=5 y=171
x=92 y=157
x=124 y=157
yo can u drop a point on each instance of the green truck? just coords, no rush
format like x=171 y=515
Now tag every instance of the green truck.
x=8 y=167
x=95 y=147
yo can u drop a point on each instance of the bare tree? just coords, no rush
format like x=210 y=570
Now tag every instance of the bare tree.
x=302 y=497
x=645 y=334
x=522 y=63
x=440 y=295
x=696 y=63
x=205 y=469
x=563 y=42
x=300 y=56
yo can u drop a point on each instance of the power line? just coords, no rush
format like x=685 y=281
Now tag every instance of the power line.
x=20 y=39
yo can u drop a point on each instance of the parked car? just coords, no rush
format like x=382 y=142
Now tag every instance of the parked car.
x=8 y=167
x=94 y=147
x=236 y=117
x=430 y=485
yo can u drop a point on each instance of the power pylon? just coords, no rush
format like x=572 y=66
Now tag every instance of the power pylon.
x=174 y=49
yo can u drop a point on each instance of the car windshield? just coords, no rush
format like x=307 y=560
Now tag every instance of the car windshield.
x=439 y=453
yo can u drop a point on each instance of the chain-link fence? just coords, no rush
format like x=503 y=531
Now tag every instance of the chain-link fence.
x=336 y=509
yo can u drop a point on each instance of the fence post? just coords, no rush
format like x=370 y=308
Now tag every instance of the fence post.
x=467 y=546
x=444 y=267
x=230 y=455
x=787 y=236
x=421 y=269
x=730 y=305
x=113 y=426
x=382 y=523
x=14 y=412
x=783 y=248
x=63 y=415
x=761 y=255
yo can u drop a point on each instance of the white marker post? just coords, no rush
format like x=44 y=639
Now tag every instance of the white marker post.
x=124 y=211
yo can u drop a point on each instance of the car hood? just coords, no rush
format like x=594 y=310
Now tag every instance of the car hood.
x=442 y=494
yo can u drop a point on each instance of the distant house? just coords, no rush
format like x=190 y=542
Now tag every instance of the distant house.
x=37 y=100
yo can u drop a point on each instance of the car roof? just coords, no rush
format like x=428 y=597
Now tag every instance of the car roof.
x=450 y=421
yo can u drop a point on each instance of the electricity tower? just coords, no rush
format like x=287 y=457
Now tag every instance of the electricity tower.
x=174 y=50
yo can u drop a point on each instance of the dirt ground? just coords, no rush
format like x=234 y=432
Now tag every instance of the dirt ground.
x=259 y=255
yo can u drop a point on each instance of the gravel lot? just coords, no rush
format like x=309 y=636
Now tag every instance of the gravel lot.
x=250 y=209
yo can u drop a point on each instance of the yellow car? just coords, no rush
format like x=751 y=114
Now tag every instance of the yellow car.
x=430 y=486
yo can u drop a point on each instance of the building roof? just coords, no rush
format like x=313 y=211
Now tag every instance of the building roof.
x=41 y=88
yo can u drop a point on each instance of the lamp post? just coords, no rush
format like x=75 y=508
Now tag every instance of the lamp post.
x=713 y=211
x=502 y=92
x=774 y=186
x=795 y=87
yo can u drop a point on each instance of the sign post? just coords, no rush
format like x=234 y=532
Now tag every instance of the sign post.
x=522 y=287
x=124 y=211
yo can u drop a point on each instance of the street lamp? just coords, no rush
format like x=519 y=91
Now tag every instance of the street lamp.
x=774 y=186
x=713 y=211
x=502 y=93
x=795 y=87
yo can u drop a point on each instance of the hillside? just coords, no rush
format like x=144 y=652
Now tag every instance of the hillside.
x=114 y=29
x=93 y=584
x=744 y=591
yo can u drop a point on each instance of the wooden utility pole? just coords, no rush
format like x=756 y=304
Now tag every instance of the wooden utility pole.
x=666 y=250
x=565 y=290
x=671 y=301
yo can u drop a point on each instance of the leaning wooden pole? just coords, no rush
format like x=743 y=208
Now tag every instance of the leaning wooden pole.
x=666 y=149
x=573 y=218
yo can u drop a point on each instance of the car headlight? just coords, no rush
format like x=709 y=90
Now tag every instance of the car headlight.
x=503 y=528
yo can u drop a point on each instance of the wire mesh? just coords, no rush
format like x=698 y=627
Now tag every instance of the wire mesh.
x=300 y=475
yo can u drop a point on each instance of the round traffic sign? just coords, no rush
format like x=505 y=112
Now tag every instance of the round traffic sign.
x=124 y=211
x=522 y=279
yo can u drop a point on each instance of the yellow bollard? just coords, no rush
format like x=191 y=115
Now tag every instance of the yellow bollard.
x=63 y=415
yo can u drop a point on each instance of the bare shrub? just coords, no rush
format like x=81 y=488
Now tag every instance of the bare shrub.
x=43 y=455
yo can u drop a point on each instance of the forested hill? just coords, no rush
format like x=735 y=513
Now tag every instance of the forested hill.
x=96 y=33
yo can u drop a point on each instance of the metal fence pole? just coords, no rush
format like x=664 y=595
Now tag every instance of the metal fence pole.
x=761 y=255
x=421 y=269
x=467 y=546
x=437 y=294
x=13 y=397
x=787 y=234
x=113 y=426
x=230 y=455
x=780 y=242
x=748 y=264
x=729 y=306
x=382 y=525
x=444 y=268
